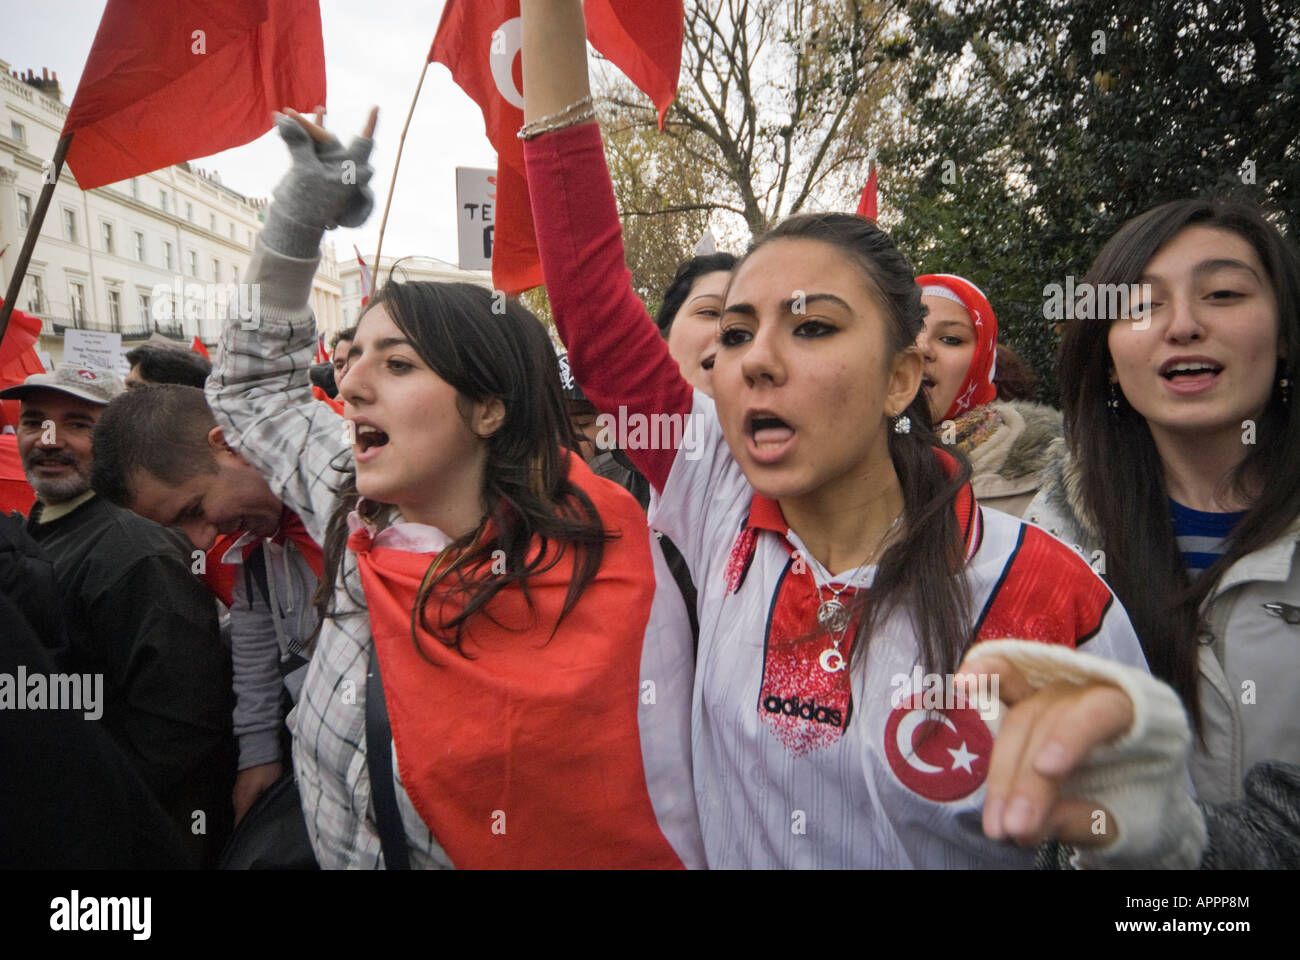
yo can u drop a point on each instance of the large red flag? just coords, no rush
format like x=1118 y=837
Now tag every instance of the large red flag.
x=479 y=43
x=167 y=82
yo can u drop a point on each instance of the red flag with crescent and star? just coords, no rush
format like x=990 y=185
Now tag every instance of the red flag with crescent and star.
x=480 y=41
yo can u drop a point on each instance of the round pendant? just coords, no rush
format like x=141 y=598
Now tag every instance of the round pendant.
x=833 y=615
x=832 y=660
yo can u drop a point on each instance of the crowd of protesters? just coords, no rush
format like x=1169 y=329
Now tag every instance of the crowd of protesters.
x=413 y=608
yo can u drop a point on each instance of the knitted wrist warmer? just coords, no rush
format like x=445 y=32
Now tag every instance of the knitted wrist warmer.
x=1141 y=778
x=325 y=188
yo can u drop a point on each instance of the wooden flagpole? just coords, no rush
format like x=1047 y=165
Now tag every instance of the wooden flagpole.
x=33 y=233
x=379 y=246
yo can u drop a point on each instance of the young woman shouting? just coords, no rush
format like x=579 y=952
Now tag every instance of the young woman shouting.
x=537 y=682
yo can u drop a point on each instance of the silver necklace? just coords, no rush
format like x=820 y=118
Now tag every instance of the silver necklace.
x=834 y=615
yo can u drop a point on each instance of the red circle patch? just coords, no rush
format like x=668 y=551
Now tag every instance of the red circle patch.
x=942 y=755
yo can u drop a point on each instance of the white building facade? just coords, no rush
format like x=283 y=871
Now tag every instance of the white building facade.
x=411 y=268
x=165 y=252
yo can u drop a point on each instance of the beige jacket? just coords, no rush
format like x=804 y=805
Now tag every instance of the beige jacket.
x=1006 y=467
x=1250 y=657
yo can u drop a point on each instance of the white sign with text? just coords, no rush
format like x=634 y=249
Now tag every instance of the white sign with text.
x=476 y=201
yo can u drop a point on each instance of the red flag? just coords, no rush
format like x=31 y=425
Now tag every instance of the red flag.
x=479 y=43
x=167 y=82
x=867 y=204
x=322 y=355
x=20 y=338
x=18 y=359
x=632 y=34
x=196 y=346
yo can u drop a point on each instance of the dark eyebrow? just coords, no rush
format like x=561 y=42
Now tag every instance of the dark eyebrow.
x=1224 y=263
x=1210 y=266
x=808 y=298
x=383 y=344
x=747 y=309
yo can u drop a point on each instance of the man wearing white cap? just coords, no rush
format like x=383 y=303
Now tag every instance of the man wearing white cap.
x=135 y=612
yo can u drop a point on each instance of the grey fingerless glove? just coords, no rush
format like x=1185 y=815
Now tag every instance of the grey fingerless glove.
x=325 y=188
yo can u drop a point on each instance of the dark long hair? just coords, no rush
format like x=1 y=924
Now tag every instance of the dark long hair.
x=1121 y=477
x=486 y=348
x=923 y=572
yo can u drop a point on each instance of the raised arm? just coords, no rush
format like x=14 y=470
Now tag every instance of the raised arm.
x=260 y=388
x=615 y=350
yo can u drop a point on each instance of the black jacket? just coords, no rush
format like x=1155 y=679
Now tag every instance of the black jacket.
x=70 y=799
x=136 y=614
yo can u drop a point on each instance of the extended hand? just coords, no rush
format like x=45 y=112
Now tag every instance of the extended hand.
x=1041 y=741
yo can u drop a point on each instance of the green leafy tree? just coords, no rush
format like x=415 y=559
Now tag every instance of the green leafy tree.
x=1033 y=129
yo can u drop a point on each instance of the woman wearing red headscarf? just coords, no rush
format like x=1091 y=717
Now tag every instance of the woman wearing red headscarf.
x=974 y=404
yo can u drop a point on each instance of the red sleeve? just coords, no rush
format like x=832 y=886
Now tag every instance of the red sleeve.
x=615 y=351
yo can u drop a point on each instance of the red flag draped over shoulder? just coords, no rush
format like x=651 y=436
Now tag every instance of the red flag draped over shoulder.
x=479 y=43
x=168 y=82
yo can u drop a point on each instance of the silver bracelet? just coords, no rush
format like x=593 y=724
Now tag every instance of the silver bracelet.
x=580 y=111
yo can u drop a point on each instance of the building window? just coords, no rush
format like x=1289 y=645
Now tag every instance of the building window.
x=18 y=131
x=36 y=295
x=167 y=256
x=232 y=229
x=194 y=264
x=135 y=188
x=106 y=231
x=163 y=200
x=24 y=210
x=212 y=222
x=216 y=270
x=146 y=311
x=139 y=246
x=77 y=297
x=115 y=308
x=69 y=225
x=250 y=238
x=189 y=211
x=234 y=273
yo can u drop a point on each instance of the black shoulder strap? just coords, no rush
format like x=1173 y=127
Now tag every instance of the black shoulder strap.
x=256 y=565
x=379 y=761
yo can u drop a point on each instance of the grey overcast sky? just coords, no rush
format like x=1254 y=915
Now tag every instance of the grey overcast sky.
x=373 y=54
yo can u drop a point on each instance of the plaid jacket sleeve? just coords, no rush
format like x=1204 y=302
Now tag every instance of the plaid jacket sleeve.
x=260 y=391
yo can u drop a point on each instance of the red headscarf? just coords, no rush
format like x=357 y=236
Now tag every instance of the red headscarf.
x=977 y=389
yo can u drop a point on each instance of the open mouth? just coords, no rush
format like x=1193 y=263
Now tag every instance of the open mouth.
x=1191 y=369
x=927 y=382
x=370 y=437
x=769 y=431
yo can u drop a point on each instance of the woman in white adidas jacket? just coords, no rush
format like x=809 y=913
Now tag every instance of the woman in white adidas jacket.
x=815 y=476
